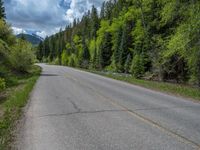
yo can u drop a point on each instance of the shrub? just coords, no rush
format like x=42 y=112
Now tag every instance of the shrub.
x=2 y=84
x=6 y=33
x=22 y=56
x=4 y=50
x=137 y=67
x=72 y=61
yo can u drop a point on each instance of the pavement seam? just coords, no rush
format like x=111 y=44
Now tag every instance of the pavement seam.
x=78 y=112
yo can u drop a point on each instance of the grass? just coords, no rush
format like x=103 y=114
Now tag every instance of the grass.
x=16 y=99
x=170 y=88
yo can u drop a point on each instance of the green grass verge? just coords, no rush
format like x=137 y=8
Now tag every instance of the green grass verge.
x=15 y=101
x=170 y=88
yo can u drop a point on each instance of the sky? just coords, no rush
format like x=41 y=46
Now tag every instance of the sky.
x=45 y=17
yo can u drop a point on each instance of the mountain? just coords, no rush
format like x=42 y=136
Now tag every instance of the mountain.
x=32 y=38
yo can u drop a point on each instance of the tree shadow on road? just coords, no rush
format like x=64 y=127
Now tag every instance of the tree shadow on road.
x=48 y=75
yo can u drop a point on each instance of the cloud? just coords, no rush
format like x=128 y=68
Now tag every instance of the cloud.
x=18 y=30
x=45 y=16
x=78 y=7
x=41 y=34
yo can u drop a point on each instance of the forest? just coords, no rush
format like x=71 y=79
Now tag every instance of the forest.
x=150 y=39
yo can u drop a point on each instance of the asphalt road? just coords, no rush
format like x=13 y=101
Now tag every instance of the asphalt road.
x=75 y=110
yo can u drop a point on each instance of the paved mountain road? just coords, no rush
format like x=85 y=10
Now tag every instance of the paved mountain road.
x=75 y=110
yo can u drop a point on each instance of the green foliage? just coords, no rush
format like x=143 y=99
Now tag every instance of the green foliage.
x=85 y=55
x=4 y=51
x=65 y=58
x=72 y=61
x=162 y=37
x=94 y=22
x=105 y=50
x=127 y=64
x=2 y=10
x=6 y=33
x=2 y=84
x=102 y=30
x=22 y=56
x=138 y=66
x=138 y=34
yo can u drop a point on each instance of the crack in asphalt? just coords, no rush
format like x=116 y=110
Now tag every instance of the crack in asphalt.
x=79 y=112
x=75 y=106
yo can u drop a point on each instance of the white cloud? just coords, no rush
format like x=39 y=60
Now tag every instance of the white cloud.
x=79 y=7
x=42 y=34
x=18 y=30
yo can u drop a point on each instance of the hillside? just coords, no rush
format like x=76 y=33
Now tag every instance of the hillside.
x=34 y=39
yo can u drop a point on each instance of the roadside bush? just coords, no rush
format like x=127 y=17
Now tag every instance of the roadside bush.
x=55 y=61
x=21 y=56
x=64 y=58
x=72 y=61
x=2 y=84
x=6 y=33
x=137 y=67
x=3 y=53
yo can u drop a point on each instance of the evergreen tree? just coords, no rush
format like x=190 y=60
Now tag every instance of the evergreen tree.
x=85 y=56
x=2 y=11
x=95 y=22
x=95 y=59
x=124 y=48
x=127 y=64
x=102 y=13
x=117 y=53
x=40 y=51
x=106 y=50
x=46 y=50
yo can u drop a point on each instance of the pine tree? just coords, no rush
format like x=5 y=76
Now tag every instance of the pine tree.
x=46 y=50
x=108 y=10
x=102 y=13
x=124 y=49
x=127 y=64
x=2 y=11
x=85 y=56
x=117 y=53
x=106 y=50
x=95 y=22
x=95 y=58
x=60 y=46
x=39 y=51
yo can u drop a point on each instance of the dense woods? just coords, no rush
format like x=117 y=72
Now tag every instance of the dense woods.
x=16 y=55
x=151 y=39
